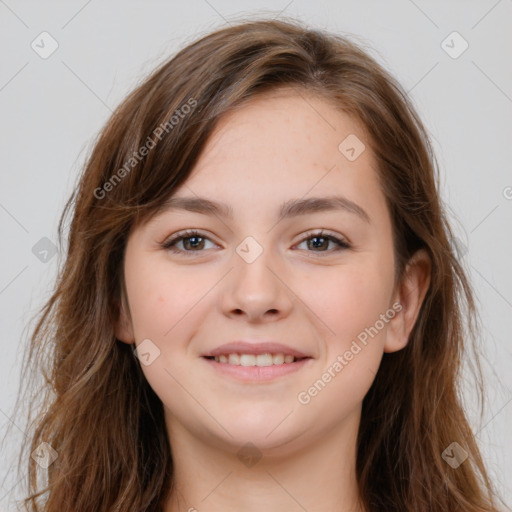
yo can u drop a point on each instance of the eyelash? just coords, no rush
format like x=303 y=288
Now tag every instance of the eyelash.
x=170 y=243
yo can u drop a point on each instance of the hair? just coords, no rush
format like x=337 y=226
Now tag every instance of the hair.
x=97 y=410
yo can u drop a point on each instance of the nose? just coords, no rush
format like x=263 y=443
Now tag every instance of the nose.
x=255 y=292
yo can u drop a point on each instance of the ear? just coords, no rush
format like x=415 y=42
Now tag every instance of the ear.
x=123 y=325
x=410 y=294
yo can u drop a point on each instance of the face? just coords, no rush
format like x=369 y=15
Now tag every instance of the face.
x=297 y=251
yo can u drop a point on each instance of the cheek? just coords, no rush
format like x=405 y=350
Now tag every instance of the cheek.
x=162 y=296
x=165 y=304
x=347 y=299
x=349 y=305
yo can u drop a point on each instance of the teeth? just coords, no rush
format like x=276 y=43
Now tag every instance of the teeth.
x=254 y=360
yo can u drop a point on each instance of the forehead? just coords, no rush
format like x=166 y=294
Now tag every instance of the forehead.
x=282 y=122
x=285 y=144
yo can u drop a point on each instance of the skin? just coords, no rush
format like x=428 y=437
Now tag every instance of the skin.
x=277 y=147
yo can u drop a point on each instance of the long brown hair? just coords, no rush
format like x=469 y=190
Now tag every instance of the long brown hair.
x=96 y=409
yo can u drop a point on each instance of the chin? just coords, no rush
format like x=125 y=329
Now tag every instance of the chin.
x=267 y=431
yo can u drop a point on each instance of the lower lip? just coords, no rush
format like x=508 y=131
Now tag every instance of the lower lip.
x=258 y=373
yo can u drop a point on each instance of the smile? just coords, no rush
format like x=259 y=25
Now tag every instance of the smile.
x=256 y=368
x=255 y=360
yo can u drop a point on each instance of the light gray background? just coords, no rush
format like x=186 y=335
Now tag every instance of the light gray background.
x=52 y=108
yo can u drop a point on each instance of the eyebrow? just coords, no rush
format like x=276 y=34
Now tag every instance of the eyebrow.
x=289 y=209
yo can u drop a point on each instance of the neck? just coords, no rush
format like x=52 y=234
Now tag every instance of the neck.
x=317 y=475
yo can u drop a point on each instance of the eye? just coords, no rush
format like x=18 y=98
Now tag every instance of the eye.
x=191 y=240
x=320 y=240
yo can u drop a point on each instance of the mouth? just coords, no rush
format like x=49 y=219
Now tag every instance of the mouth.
x=256 y=360
x=260 y=368
x=260 y=360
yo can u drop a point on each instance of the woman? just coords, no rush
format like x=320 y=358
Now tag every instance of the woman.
x=260 y=307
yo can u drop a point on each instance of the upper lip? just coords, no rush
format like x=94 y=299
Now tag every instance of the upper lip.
x=259 y=347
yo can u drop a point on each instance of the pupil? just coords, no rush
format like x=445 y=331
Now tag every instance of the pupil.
x=195 y=241
x=315 y=241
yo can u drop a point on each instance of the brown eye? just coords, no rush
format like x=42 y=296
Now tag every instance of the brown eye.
x=320 y=242
x=191 y=241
